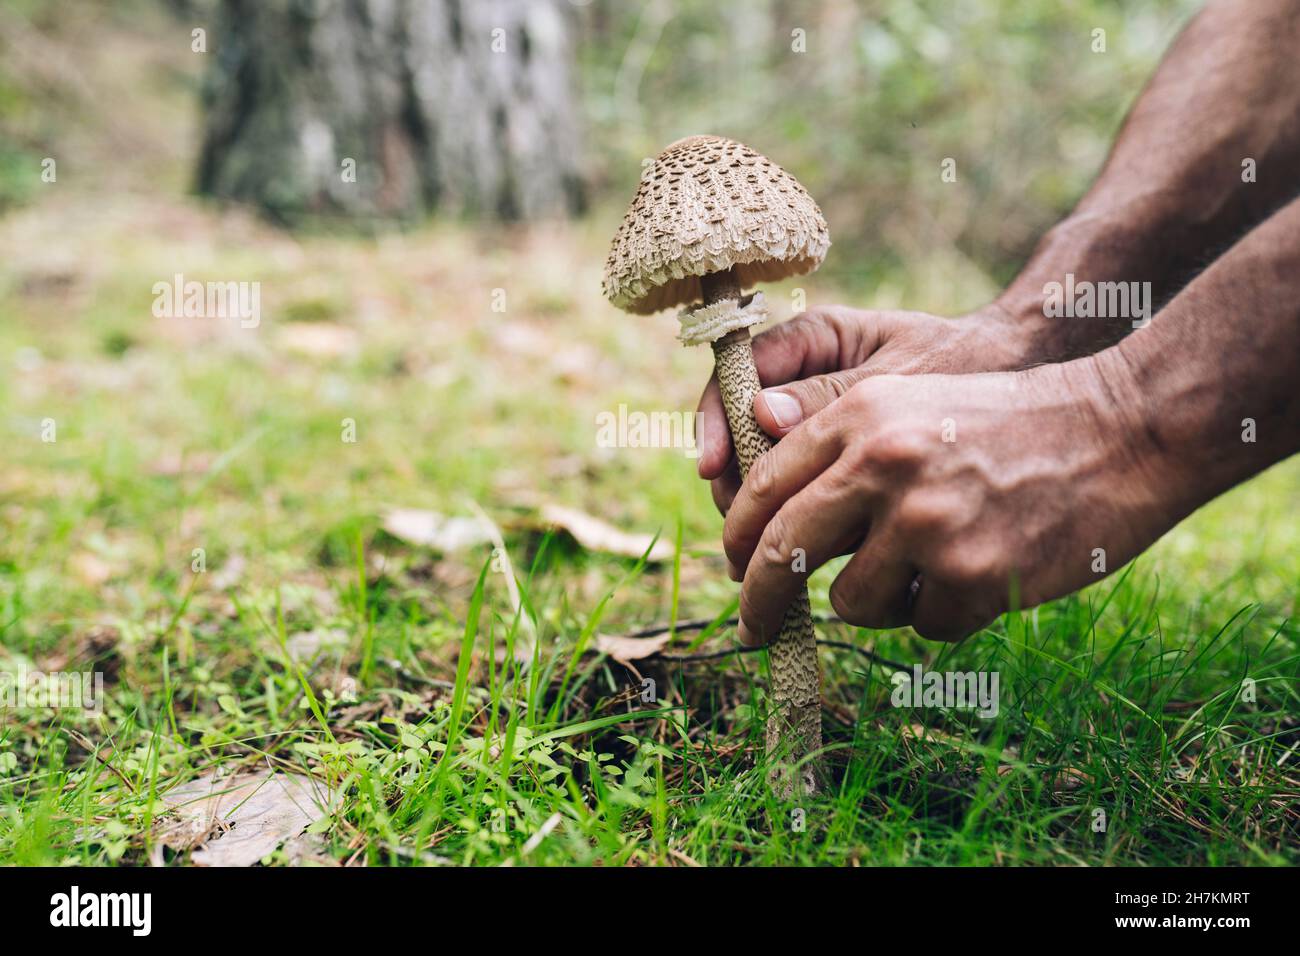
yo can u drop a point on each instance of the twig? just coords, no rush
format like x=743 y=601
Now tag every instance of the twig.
x=698 y=624
x=93 y=748
x=407 y=674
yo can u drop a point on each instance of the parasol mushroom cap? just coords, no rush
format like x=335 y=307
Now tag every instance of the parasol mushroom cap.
x=708 y=204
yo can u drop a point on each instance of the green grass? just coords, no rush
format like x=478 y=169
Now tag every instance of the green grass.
x=175 y=436
x=1103 y=707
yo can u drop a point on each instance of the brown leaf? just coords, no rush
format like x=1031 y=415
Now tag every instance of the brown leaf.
x=305 y=645
x=1069 y=780
x=921 y=732
x=237 y=820
x=437 y=531
x=175 y=463
x=230 y=573
x=90 y=569
x=628 y=649
x=596 y=535
x=318 y=339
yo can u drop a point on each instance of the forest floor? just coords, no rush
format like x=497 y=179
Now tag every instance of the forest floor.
x=213 y=528
x=289 y=550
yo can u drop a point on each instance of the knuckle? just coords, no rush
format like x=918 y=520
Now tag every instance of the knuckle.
x=800 y=331
x=863 y=395
x=820 y=315
x=845 y=322
x=898 y=449
x=970 y=566
x=841 y=383
x=834 y=426
x=775 y=547
x=921 y=513
x=816 y=394
x=761 y=481
x=821 y=427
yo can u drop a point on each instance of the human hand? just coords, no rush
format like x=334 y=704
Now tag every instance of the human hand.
x=988 y=489
x=821 y=354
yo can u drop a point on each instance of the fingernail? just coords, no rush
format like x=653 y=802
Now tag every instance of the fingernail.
x=785 y=409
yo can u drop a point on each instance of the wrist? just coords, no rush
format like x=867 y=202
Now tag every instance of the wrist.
x=1040 y=338
x=1092 y=247
x=1122 y=410
x=1003 y=339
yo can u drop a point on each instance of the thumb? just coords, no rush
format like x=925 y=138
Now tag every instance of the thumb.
x=780 y=409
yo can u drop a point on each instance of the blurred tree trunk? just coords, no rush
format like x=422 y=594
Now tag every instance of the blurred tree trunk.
x=461 y=106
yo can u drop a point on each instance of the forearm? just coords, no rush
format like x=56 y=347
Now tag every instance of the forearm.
x=1172 y=193
x=1208 y=388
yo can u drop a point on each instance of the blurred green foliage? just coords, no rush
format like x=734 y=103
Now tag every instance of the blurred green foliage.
x=861 y=99
x=883 y=93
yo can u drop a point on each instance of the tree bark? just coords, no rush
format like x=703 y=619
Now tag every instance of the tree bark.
x=460 y=106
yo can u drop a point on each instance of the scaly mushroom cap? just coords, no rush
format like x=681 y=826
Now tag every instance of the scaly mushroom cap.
x=708 y=204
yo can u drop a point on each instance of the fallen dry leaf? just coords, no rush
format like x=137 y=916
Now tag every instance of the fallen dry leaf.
x=236 y=820
x=1069 y=780
x=91 y=570
x=922 y=732
x=98 y=645
x=437 y=531
x=230 y=573
x=305 y=645
x=175 y=463
x=628 y=649
x=596 y=535
x=318 y=339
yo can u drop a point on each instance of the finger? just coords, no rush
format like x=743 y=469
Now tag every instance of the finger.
x=812 y=527
x=778 y=475
x=712 y=436
x=823 y=339
x=725 y=486
x=820 y=341
x=872 y=590
x=946 y=613
x=780 y=409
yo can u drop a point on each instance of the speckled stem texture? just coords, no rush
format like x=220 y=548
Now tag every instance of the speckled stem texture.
x=794 y=728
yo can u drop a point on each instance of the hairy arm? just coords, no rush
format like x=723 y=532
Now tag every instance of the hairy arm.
x=1212 y=380
x=1170 y=198
x=1173 y=194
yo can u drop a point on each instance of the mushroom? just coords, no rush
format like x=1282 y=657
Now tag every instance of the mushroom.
x=710 y=218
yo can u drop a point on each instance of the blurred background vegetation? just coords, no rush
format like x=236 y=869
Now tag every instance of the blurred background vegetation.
x=882 y=93
x=885 y=92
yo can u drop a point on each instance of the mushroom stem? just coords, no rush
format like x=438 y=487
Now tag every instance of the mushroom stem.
x=794 y=726
x=717 y=286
